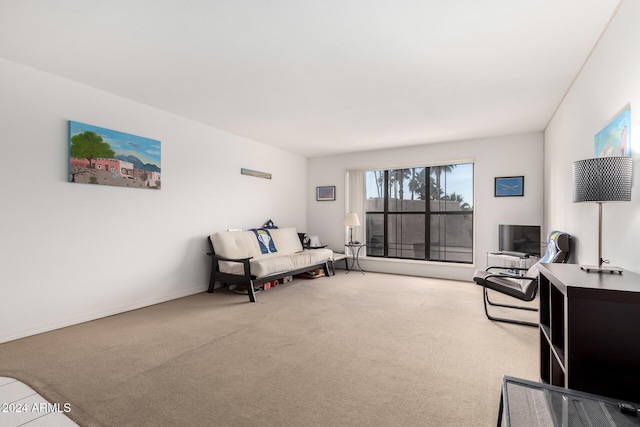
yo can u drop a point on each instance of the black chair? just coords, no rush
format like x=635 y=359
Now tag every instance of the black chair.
x=524 y=288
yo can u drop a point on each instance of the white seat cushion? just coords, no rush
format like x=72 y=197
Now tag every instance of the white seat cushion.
x=278 y=264
x=244 y=244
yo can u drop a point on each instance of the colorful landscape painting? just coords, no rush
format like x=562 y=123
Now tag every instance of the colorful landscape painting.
x=614 y=139
x=108 y=157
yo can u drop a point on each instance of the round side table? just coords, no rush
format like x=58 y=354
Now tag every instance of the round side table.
x=355 y=248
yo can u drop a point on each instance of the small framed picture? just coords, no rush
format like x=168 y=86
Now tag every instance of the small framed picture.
x=326 y=193
x=509 y=186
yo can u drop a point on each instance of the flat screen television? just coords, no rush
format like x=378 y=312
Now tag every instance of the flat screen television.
x=519 y=239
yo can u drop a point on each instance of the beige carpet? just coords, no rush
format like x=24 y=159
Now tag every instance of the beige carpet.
x=349 y=350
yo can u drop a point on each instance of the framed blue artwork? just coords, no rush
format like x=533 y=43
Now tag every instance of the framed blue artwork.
x=614 y=139
x=509 y=186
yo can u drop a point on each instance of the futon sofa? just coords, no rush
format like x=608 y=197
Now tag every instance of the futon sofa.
x=256 y=256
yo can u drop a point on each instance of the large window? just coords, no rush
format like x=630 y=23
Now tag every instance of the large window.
x=421 y=213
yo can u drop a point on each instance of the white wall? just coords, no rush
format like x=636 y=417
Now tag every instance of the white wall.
x=501 y=156
x=609 y=81
x=61 y=256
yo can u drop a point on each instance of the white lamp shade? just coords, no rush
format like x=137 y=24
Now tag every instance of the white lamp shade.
x=351 y=219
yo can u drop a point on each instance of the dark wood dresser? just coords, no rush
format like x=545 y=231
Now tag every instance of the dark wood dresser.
x=590 y=331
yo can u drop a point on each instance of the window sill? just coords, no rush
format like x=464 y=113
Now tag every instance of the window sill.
x=417 y=262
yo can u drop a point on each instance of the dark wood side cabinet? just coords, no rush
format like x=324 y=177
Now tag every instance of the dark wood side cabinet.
x=590 y=331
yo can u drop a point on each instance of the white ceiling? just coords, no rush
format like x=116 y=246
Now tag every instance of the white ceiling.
x=319 y=77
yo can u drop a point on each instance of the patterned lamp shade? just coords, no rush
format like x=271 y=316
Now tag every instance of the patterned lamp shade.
x=603 y=179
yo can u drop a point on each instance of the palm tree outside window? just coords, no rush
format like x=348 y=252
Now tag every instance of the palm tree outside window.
x=423 y=213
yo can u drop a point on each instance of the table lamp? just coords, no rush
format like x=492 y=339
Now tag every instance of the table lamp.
x=600 y=180
x=351 y=220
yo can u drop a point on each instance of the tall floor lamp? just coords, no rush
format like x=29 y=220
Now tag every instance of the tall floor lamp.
x=351 y=220
x=600 y=180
